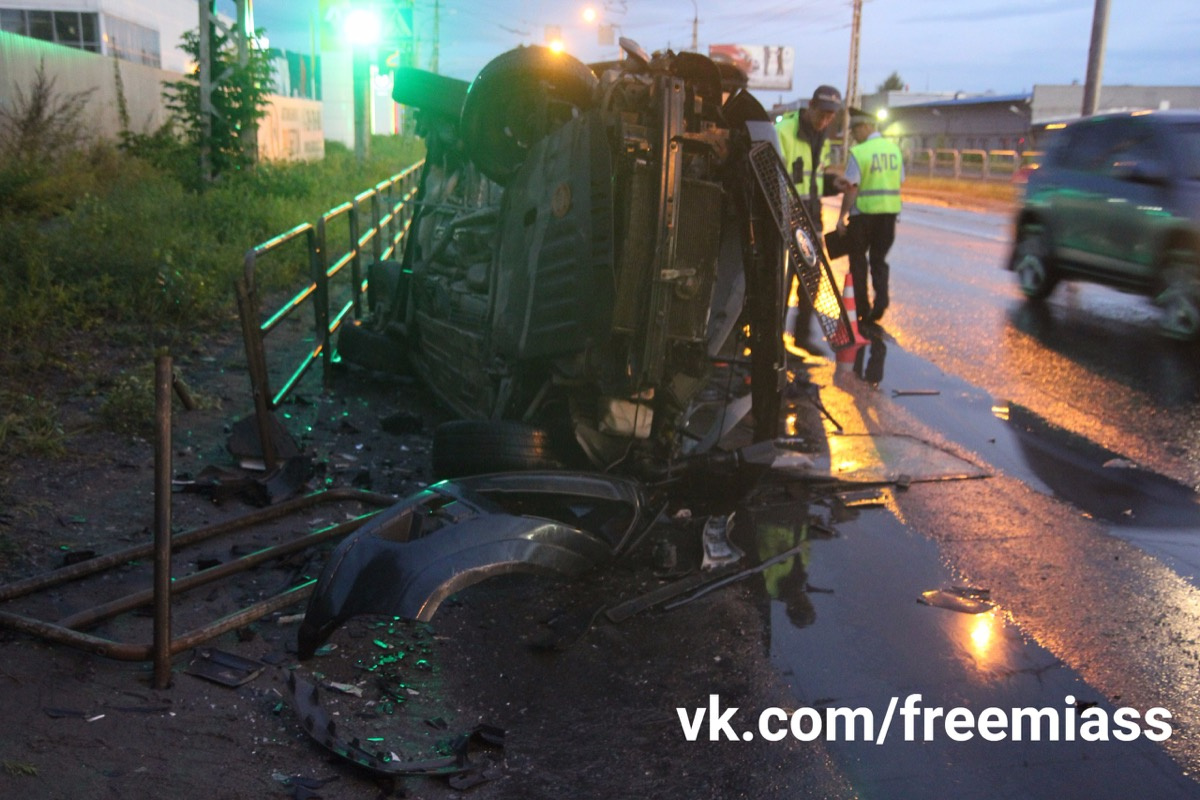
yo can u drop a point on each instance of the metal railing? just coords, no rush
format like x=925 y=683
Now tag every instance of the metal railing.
x=69 y=630
x=378 y=219
x=999 y=165
x=372 y=225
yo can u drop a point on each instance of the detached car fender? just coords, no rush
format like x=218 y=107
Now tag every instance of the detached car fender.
x=459 y=532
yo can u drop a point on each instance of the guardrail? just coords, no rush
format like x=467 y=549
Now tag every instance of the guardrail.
x=372 y=224
x=969 y=164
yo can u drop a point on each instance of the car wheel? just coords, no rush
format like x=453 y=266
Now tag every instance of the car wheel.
x=476 y=447
x=1180 y=300
x=1031 y=262
x=517 y=99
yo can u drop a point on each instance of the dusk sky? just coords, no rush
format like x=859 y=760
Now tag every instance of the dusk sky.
x=935 y=45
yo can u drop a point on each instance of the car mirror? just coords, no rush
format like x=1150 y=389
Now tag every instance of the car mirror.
x=1143 y=171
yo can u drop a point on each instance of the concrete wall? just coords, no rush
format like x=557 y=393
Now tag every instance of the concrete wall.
x=171 y=18
x=291 y=130
x=76 y=71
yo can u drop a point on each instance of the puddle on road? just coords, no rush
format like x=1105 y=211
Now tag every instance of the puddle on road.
x=858 y=637
x=1153 y=512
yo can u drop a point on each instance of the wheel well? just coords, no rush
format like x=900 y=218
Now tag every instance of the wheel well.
x=1180 y=240
x=1028 y=218
x=1177 y=241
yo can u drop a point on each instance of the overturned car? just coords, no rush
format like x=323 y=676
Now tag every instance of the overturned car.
x=593 y=280
x=594 y=273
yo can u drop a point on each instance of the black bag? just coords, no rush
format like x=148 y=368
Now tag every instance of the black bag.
x=837 y=244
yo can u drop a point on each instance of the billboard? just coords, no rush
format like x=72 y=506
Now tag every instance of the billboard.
x=768 y=66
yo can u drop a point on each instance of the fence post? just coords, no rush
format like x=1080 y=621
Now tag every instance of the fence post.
x=319 y=268
x=162 y=521
x=256 y=361
x=376 y=220
x=355 y=263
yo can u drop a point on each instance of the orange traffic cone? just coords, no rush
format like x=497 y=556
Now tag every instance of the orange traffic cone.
x=851 y=308
x=845 y=356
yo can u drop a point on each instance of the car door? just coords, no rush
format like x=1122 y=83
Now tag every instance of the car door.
x=1135 y=177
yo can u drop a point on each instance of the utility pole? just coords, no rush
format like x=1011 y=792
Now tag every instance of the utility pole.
x=437 y=26
x=852 y=78
x=695 y=27
x=245 y=30
x=206 y=87
x=1095 y=65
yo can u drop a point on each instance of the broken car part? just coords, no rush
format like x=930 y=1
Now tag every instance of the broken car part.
x=457 y=533
x=737 y=576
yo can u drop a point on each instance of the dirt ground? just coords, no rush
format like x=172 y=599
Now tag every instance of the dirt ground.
x=587 y=706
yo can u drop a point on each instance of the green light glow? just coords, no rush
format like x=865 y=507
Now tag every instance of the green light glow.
x=362 y=27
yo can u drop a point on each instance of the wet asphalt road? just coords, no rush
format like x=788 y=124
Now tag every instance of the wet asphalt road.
x=1084 y=539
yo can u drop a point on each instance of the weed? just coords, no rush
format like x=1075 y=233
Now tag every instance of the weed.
x=128 y=405
x=20 y=769
x=29 y=426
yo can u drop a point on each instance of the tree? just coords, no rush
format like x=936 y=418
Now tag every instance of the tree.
x=893 y=83
x=239 y=99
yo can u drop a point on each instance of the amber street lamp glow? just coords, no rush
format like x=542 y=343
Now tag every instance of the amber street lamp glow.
x=556 y=45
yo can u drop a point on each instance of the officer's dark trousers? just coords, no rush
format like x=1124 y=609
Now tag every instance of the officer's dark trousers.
x=871 y=237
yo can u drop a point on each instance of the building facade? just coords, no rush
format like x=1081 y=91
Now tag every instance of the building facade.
x=146 y=32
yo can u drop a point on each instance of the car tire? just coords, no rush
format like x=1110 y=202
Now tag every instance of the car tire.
x=1032 y=263
x=506 y=110
x=477 y=447
x=1180 y=300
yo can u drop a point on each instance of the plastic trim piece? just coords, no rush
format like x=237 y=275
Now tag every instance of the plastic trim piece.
x=459 y=532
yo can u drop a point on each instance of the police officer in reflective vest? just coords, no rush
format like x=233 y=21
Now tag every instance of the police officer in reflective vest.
x=870 y=206
x=806 y=154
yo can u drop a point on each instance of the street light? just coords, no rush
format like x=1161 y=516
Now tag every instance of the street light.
x=361 y=30
x=361 y=27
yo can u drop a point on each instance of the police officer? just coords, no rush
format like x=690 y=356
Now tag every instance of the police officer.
x=870 y=206
x=806 y=153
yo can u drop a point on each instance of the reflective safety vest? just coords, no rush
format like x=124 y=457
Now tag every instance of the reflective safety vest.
x=881 y=164
x=794 y=147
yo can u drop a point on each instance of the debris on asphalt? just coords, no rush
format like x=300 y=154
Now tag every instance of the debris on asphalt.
x=625 y=610
x=737 y=576
x=866 y=498
x=718 y=550
x=345 y=688
x=318 y=723
x=962 y=599
x=915 y=392
x=227 y=669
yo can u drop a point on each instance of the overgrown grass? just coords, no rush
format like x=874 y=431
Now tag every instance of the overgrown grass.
x=136 y=244
x=123 y=243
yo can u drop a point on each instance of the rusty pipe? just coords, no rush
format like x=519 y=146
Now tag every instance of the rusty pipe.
x=62 y=575
x=91 y=616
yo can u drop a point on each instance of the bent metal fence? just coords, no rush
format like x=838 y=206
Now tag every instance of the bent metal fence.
x=372 y=225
